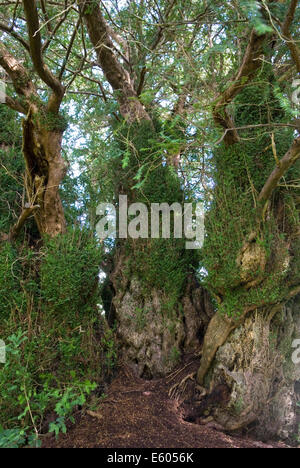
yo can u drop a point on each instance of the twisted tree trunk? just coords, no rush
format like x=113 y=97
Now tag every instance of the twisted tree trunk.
x=256 y=366
x=45 y=171
x=43 y=129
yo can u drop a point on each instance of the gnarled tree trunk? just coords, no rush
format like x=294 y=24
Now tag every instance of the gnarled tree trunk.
x=256 y=365
x=45 y=170
x=153 y=332
x=252 y=257
x=43 y=128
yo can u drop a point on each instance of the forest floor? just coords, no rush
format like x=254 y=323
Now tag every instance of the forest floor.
x=141 y=414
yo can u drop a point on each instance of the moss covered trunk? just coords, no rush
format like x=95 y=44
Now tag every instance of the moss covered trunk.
x=252 y=258
x=158 y=306
x=45 y=170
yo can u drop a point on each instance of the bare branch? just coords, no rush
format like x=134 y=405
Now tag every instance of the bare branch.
x=26 y=213
x=294 y=292
x=35 y=44
x=72 y=40
x=18 y=74
x=251 y=63
x=158 y=38
x=292 y=45
x=15 y=105
x=9 y=30
x=294 y=125
x=284 y=165
x=130 y=106
x=55 y=29
x=48 y=21
x=99 y=35
x=289 y=17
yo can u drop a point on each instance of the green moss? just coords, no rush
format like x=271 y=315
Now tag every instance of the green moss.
x=140 y=318
x=90 y=7
x=241 y=171
x=175 y=355
x=161 y=264
x=239 y=406
x=11 y=168
x=68 y=275
x=51 y=121
x=11 y=297
x=271 y=291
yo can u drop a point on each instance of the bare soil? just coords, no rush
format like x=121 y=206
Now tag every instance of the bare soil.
x=147 y=414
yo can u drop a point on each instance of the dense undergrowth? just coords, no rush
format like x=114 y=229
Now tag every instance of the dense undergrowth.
x=59 y=349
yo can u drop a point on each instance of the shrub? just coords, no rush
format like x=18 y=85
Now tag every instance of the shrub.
x=53 y=328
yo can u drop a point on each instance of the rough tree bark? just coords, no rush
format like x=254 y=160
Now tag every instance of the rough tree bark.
x=45 y=171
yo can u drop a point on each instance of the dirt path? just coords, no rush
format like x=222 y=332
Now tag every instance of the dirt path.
x=140 y=414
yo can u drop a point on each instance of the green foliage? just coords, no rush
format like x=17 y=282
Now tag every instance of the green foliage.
x=72 y=398
x=252 y=10
x=52 y=121
x=69 y=275
x=51 y=323
x=241 y=171
x=25 y=402
x=161 y=264
x=17 y=438
x=90 y=7
x=10 y=294
x=143 y=149
x=51 y=294
x=11 y=168
x=175 y=355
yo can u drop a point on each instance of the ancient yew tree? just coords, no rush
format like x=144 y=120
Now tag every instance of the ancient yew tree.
x=175 y=101
x=42 y=128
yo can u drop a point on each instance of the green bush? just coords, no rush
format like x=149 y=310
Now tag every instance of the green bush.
x=53 y=328
x=11 y=168
x=10 y=294
x=69 y=275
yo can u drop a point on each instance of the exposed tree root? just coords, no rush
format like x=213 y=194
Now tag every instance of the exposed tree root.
x=180 y=387
x=217 y=333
